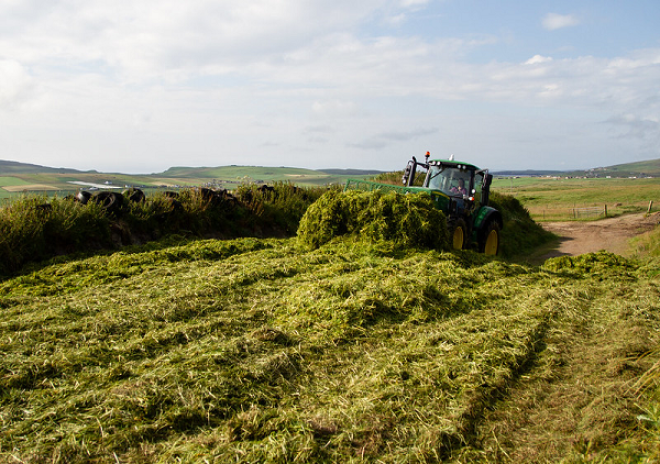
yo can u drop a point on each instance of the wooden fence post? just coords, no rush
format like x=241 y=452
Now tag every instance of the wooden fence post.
x=605 y=210
x=650 y=205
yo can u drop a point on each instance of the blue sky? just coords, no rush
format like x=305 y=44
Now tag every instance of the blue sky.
x=138 y=86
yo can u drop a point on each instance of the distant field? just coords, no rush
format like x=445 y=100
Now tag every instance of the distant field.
x=8 y=184
x=545 y=198
x=228 y=177
x=29 y=187
x=232 y=176
x=11 y=181
x=552 y=199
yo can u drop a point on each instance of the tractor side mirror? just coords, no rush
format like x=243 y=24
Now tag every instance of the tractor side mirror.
x=409 y=174
x=406 y=175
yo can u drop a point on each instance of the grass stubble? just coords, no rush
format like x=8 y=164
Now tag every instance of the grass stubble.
x=266 y=350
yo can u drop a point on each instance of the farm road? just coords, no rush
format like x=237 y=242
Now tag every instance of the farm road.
x=611 y=234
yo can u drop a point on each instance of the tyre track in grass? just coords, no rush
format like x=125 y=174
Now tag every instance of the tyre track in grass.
x=577 y=401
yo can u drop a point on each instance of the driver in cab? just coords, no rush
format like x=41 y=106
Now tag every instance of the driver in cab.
x=460 y=189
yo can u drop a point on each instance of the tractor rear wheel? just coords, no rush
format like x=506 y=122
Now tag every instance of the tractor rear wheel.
x=490 y=241
x=457 y=234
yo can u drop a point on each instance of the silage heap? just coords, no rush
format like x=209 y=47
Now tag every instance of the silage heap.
x=375 y=217
x=398 y=222
x=266 y=351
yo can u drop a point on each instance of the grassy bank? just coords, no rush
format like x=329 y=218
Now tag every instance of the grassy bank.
x=34 y=228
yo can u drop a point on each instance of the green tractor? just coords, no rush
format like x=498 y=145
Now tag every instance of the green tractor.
x=460 y=190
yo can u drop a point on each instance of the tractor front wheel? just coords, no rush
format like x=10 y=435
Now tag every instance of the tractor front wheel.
x=490 y=241
x=457 y=234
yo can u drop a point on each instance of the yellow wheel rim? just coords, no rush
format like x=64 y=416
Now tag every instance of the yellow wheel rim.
x=491 y=243
x=458 y=238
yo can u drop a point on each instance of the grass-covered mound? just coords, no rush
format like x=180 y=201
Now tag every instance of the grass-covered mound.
x=408 y=221
x=261 y=351
x=37 y=228
x=375 y=216
x=520 y=235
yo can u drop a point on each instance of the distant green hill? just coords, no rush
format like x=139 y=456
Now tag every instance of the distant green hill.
x=14 y=167
x=276 y=173
x=649 y=168
x=230 y=176
x=237 y=174
x=352 y=172
x=638 y=169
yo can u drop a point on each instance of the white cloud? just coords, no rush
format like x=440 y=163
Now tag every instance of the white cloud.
x=334 y=108
x=384 y=139
x=15 y=84
x=554 y=21
x=538 y=59
x=646 y=130
x=142 y=39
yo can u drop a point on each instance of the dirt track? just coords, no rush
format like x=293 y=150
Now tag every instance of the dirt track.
x=610 y=234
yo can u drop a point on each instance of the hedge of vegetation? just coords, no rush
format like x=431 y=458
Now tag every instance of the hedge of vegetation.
x=36 y=228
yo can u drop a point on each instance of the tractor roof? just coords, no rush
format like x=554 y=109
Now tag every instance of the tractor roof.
x=453 y=163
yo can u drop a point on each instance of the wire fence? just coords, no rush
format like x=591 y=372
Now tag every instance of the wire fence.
x=584 y=212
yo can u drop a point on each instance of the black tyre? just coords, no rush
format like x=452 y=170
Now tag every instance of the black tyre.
x=110 y=201
x=206 y=194
x=209 y=196
x=489 y=243
x=134 y=194
x=83 y=197
x=458 y=234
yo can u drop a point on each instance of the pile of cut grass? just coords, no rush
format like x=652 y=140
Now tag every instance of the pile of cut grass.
x=407 y=221
x=375 y=216
x=254 y=350
x=521 y=235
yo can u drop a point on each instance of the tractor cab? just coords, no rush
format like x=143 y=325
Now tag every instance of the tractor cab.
x=461 y=191
x=457 y=180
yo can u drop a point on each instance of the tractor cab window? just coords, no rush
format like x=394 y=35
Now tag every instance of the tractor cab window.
x=450 y=179
x=478 y=185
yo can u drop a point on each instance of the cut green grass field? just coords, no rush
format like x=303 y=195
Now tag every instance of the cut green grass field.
x=255 y=350
x=344 y=344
